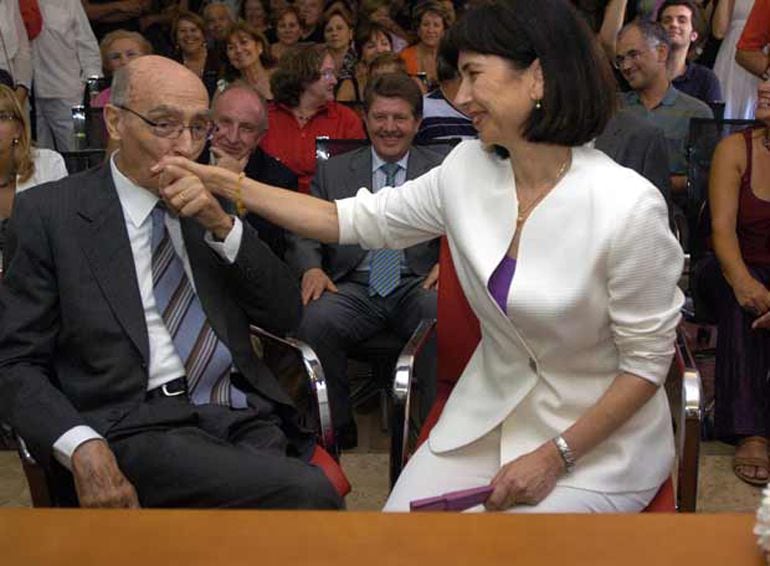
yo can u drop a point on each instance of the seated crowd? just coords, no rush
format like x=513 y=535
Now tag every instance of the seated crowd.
x=128 y=289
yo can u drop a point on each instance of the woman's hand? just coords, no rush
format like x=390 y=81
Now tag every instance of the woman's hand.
x=752 y=296
x=526 y=480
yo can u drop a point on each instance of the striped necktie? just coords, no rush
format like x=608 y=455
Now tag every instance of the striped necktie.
x=206 y=359
x=385 y=267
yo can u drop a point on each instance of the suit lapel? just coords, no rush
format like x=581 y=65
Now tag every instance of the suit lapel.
x=361 y=169
x=101 y=230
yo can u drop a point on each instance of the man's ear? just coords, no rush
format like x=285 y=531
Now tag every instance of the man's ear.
x=113 y=121
x=694 y=36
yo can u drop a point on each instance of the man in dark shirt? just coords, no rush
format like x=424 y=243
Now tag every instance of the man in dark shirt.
x=240 y=119
x=676 y=17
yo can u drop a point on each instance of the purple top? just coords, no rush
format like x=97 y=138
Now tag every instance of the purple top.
x=500 y=282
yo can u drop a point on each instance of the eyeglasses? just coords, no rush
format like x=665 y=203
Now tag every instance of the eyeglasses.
x=328 y=74
x=8 y=117
x=165 y=128
x=632 y=57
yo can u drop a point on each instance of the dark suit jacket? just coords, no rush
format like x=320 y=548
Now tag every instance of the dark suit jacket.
x=73 y=337
x=638 y=145
x=341 y=177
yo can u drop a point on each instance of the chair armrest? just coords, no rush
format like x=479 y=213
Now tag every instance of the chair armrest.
x=316 y=380
x=685 y=391
x=402 y=395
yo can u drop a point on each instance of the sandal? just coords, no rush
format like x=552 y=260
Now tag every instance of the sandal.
x=755 y=462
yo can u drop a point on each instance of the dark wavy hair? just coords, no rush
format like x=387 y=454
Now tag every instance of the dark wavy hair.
x=297 y=70
x=579 y=92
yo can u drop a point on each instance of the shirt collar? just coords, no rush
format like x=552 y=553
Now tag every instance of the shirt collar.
x=137 y=201
x=378 y=161
x=669 y=99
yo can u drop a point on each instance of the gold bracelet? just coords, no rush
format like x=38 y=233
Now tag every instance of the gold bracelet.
x=240 y=209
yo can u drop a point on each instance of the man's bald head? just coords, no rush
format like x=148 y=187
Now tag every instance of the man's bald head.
x=147 y=74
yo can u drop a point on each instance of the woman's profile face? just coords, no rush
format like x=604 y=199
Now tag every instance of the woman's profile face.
x=378 y=43
x=288 y=29
x=431 y=29
x=496 y=96
x=243 y=51
x=189 y=37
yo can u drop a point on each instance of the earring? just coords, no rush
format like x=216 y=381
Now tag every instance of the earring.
x=15 y=141
x=538 y=105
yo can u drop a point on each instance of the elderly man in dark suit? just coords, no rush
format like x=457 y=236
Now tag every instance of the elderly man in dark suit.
x=124 y=345
x=240 y=122
x=350 y=294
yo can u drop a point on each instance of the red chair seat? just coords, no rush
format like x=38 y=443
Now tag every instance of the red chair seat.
x=332 y=469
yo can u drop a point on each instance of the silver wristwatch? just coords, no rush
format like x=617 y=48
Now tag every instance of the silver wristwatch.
x=566 y=453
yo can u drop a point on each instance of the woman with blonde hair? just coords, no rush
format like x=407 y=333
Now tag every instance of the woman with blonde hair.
x=21 y=165
x=118 y=48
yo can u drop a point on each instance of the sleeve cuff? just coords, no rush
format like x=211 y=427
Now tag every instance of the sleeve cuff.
x=227 y=250
x=67 y=443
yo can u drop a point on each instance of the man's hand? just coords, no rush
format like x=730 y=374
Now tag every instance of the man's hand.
x=526 y=480
x=314 y=283
x=229 y=162
x=431 y=280
x=187 y=197
x=98 y=480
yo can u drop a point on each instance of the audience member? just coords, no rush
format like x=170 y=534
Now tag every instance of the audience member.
x=156 y=25
x=249 y=54
x=118 y=48
x=65 y=55
x=378 y=12
x=303 y=109
x=240 y=122
x=734 y=285
x=678 y=18
x=21 y=165
x=256 y=15
x=311 y=12
x=338 y=37
x=643 y=50
x=98 y=373
x=351 y=294
x=431 y=20
x=189 y=34
x=739 y=86
x=371 y=40
x=562 y=399
x=288 y=31
x=441 y=119
x=605 y=18
x=16 y=57
x=110 y=15
x=219 y=19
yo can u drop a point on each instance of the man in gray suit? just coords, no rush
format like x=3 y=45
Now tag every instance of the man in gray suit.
x=350 y=294
x=125 y=353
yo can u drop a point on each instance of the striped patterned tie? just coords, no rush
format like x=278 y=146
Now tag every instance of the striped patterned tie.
x=385 y=268
x=206 y=359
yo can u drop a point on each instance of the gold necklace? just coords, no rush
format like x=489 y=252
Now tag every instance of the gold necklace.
x=522 y=215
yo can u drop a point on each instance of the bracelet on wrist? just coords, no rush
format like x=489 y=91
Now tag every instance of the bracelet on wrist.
x=566 y=453
x=240 y=208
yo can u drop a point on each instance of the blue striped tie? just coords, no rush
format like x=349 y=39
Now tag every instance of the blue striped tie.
x=385 y=268
x=206 y=359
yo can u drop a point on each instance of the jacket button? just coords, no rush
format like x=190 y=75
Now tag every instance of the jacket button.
x=533 y=364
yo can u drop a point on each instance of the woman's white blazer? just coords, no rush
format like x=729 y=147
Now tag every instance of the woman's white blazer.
x=594 y=294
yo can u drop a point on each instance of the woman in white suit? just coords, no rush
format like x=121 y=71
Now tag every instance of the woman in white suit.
x=565 y=257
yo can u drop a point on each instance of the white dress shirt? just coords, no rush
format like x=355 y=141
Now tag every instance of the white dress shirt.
x=15 y=55
x=165 y=364
x=66 y=52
